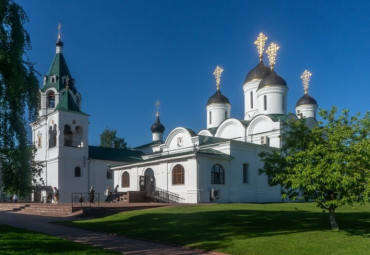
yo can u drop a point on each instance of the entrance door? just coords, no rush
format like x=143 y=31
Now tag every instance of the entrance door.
x=149 y=181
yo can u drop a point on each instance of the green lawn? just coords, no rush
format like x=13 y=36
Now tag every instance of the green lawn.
x=20 y=241
x=283 y=228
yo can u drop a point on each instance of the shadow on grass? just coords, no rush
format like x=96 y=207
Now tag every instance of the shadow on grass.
x=214 y=230
x=20 y=241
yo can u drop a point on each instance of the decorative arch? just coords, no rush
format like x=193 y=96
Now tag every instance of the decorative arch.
x=217 y=174
x=179 y=132
x=125 y=180
x=150 y=182
x=259 y=124
x=178 y=175
x=231 y=129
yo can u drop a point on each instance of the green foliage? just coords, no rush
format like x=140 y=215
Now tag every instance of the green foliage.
x=18 y=95
x=109 y=139
x=329 y=164
x=280 y=228
x=20 y=241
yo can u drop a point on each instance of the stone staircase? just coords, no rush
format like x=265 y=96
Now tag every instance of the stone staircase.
x=61 y=210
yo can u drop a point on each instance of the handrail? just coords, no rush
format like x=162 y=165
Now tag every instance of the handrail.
x=165 y=196
x=84 y=199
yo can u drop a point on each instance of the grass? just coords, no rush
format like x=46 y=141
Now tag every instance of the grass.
x=20 y=241
x=284 y=228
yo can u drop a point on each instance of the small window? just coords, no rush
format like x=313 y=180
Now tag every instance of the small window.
x=251 y=99
x=225 y=115
x=283 y=103
x=265 y=102
x=210 y=117
x=178 y=175
x=77 y=171
x=125 y=183
x=217 y=174
x=245 y=173
x=53 y=78
x=109 y=174
x=39 y=141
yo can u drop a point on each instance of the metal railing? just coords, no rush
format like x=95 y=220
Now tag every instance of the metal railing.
x=165 y=196
x=84 y=199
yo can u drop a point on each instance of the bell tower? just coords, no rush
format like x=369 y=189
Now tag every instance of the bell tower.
x=61 y=130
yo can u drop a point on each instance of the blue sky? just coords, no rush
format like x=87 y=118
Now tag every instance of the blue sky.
x=125 y=55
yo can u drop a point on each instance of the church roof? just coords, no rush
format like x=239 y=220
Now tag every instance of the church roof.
x=259 y=72
x=112 y=154
x=218 y=98
x=60 y=69
x=306 y=99
x=157 y=126
x=67 y=104
x=272 y=80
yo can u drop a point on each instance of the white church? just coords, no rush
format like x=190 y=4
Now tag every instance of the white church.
x=219 y=163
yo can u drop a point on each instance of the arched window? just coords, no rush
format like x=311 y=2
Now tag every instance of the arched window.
x=210 y=117
x=51 y=100
x=283 y=103
x=52 y=136
x=178 y=175
x=68 y=136
x=251 y=94
x=77 y=171
x=265 y=102
x=217 y=174
x=225 y=115
x=125 y=180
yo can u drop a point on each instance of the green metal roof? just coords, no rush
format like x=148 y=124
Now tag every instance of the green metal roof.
x=112 y=154
x=59 y=68
x=67 y=104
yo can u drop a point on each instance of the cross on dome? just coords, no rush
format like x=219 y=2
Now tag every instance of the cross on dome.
x=157 y=104
x=271 y=53
x=260 y=42
x=217 y=73
x=306 y=75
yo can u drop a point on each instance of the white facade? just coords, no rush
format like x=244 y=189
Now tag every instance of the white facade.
x=220 y=163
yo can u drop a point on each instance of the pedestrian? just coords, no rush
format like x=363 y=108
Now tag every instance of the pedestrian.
x=115 y=194
x=15 y=198
x=92 y=194
x=56 y=195
x=107 y=195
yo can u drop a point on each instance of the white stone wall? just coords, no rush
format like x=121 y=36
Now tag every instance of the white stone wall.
x=251 y=86
x=218 y=114
x=276 y=100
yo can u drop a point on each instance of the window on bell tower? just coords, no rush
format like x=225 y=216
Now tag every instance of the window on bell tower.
x=51 y=99
x=265 y=102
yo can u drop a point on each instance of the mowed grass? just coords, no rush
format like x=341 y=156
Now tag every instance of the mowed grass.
x=20 y=241
x=281 y=228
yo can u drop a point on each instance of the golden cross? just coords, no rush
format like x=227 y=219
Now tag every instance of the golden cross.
x=157 y=104
x=306 y=75
x=260 y=42
x=217 y=73
x=271 y=53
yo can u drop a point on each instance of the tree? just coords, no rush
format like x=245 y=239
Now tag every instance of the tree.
x=18 y=95
x=109 y=139
x=329 y=164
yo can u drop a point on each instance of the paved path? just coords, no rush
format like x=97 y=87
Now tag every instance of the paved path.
x=108 y=241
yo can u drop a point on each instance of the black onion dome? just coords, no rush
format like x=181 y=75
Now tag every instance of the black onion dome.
x=272 y=80
x=259 y=72
x=157 y=127
x=218 y=98
x=59 y=43
x=306 y=99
